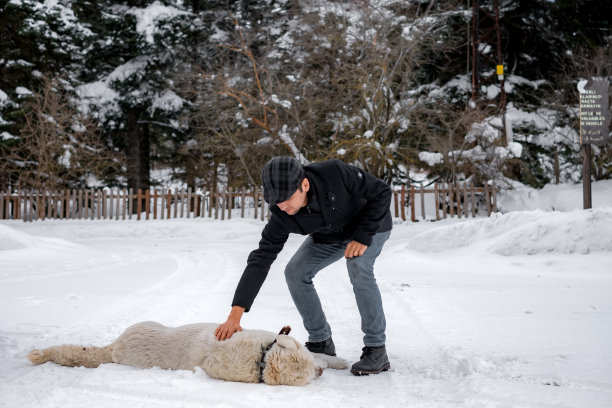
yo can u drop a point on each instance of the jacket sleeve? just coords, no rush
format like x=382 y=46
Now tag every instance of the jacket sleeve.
x=377 y=195
x=273 y=238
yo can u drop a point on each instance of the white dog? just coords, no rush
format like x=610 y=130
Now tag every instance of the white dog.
x=248 y=356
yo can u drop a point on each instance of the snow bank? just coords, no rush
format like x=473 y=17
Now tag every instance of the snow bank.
x=11 y=238
x=524 y=233
x=553 y=197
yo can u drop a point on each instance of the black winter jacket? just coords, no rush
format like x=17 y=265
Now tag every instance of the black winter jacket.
x=354 y=205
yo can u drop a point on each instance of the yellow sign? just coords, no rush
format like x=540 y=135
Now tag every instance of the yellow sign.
x=500 y=70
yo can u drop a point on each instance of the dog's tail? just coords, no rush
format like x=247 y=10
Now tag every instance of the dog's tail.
x=73 y=355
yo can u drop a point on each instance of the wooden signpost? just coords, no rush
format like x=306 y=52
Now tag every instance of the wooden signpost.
x=594 y=120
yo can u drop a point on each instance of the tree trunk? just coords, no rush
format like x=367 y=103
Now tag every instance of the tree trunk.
x=195 y=6
x=138 y=151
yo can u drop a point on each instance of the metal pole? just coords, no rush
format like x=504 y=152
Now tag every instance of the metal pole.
x=586 y=176
x=502 y=95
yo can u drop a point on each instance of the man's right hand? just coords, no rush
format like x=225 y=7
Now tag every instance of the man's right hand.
x=231 y=325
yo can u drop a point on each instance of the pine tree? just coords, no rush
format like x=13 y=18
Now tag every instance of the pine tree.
x=36 y=42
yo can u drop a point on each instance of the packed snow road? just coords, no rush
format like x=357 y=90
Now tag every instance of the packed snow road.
x=511 y=311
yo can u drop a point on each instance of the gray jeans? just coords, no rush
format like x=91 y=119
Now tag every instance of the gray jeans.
x=309 y=259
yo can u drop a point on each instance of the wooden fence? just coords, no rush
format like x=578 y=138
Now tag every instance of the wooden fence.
x=121 y=204
x=446 y=200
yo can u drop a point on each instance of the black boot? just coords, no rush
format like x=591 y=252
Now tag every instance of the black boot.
x=322 y=347
x=373 y=361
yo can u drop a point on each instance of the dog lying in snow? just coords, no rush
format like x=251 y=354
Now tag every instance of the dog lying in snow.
x=248 y=356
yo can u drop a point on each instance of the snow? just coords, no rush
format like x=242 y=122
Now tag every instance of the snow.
x=431 y=158
x=168 y=101
x=23 y=91
x=134 y=66
x=560 y=197
x=6 y=135
x=152 y=14
x=514 y=310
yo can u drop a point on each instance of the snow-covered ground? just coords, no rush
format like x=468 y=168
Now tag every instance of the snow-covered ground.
x=509 y=311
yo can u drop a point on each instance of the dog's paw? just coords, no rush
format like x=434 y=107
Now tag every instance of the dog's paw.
x=37 y=357
x=325 y=361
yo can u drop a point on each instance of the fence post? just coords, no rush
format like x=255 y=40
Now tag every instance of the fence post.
x=403 y=202
x=162 y=204
x=23 y=202
x=138 y=203
x=437 y=201
x=451 y=199
x=82 y=204
x=118 y=204
x=494 y=194
x=155 y=204
x=111 y=202
x=222 y=203
x=69 y=204
x=422 y=201
x=104 y=206
x=242 y=202
x=34 y=208
x=130 y=202
x=65 y=204
x=26 y=212
x=175 y=197
x=48 y=202
x=412 y=209
x=473 y=200
x=57 y=204
x=255 y=194
x=204 y=203
x=169 y=203
x=125 y=203
x=91 y=203
x=487 y=199
x=196 y=205
x=395 y=204
x=209 y=202
x=101 y=210
x=21 y=212
x=25 y=207
x=466 y=203
x=230 y=203
x=458 y=193
x=147 y=203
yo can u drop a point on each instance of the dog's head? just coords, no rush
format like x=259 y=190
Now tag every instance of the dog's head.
x=289 y=363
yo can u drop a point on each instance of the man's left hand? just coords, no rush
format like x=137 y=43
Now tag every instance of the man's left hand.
x=353 y=249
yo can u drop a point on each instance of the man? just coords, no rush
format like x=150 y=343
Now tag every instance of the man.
x=345 y=213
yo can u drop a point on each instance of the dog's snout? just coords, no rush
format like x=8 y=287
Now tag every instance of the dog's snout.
x=319 y=372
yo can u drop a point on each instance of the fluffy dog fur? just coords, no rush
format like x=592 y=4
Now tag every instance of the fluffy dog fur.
x=151 y=344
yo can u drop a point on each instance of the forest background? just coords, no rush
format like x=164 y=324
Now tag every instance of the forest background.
x=131 y=93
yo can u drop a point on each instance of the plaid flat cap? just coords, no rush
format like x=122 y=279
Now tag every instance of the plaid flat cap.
x=281 y=177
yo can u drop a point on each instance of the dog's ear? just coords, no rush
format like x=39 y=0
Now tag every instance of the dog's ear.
x=286 y=342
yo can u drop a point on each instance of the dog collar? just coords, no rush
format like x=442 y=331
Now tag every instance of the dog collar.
x=262 y=363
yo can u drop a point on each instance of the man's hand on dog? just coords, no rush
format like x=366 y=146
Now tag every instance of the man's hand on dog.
x=232 y=324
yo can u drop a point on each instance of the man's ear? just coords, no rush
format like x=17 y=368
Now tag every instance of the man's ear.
x=305 y=185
